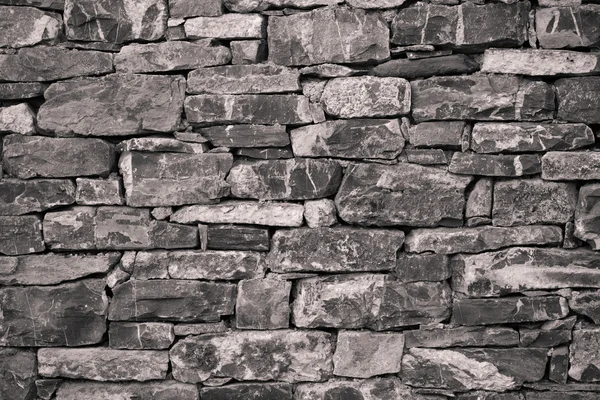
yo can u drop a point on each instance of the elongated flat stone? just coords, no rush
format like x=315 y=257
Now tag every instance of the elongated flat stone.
x=246 y=135
x=242 y=212
x=140 y=336
x=570 y=395
x=20 y=235
x=367 y=301
x=122 y=228
x=28 y=26
x=160 y=145
x=162 y=390
x=372 y=389
x=442 y=134
x=227 y=26
x=334 y=250
x=21 y=90
x=244 y=6
x=263 y=304
x=70 y=314
x=18 y=369
x=240 y=79
x=495 y=165
x=265 y=153
x=171 y=300
x=584 y=355
x=492 y=137
x=355 y=138
x=86 y=107
x=169 y=179
x=212 y=265
x=521 y=268
x=542 y=338
x=576 y=98
x=294 y=179
x=284 y=355
x=566 y=27
x=328 y=35
x=462 y=336
x=22 y=197
x=402 y=194
x=170 y=56
x=479 y=239
x=456 y=64
x=562 y=166
x=241 y=391
x=237 y=237
x=538 y=62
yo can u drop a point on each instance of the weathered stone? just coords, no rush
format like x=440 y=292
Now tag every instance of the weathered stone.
x=577 y=98
x=462 y=336
x=237 y=237
x=284 y=355
x=533 y=201
x=122 y=228
x=70 y=314
x=21 y=90
x=72 y=229
x=18 y=372
x=195 y=8
x=560 y=27
x=367 y=301
x=211 y=265
x=495 y=165
x=115 y=21
x=559 y=365
x=586 y=215
x=586 y=302
x=99 y=192
x=368 y=389
x=543 y=338
x=164 y=235
x=479 y=202
x=355 y=138
x=375 y=3
x=320 y=213
x=28 y=26
x=227 y=26
x=170 y=179
x=50 y=63
x=161 y=213
x=486 y=395
x=246 y=135
x=467 y=25
x=546 y=387
x=472 y=312
x=102 y=364
x=150 y=265
x=294 y=179
x=171 y=300
x=265 y=153
x=422 y=267
x=456 y=64
x=47 y=387
x=494 y=137
x=170 y=56
x=200 y=329
x=460 y=369
x=245 y=6
x=22 y=197
x=367 y=354
x=19 y=118
x=402 y=194
x=561 y=395
x=445 y=135
x=342 y=249
x=482 y=97
x=366 y=96
x=521 y=268
x=571 y=165
x=478 y=221
x=243 y=391
x=146 y=103
x=163 y=390
x=328 y=35
x=328 y=71
x=263 y=304
x=584 y=355
x=248 y=51
x=426 y=156
x=540 y=62
x=20 y=235
x=248 y=109
x=116 y=277
x=161 y=145
x=140 y=336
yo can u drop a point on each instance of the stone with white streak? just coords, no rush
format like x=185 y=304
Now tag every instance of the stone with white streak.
x=568 y=26
x=587 y=227
x=34 y=195
x=495 y=164
x=363 y=389
x=28 y=26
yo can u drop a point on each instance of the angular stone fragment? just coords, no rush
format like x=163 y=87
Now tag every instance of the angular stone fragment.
x=456 y=64
x=482 y=97
x=354 y=138
x=160 y=390
x=237 y=237
x=86 y=107
x=440 y=134
x=343 y=249
x=492 y=137
x=329 y=71
x=115 y=21
x=122 y=228
x=99 y=191
x=19 y=118
x=20 y=235
x=263 y=304
x=72 y=229
x=562 y=166
x=18 y=372
x=47 y=387
x=496 y=369
x=243 y=391
x=248 y=51
x=543 y=338
x=227 y=26
x=171 y=300
x=584 y=355
x=320 y=213
x=211 y=265
x=169 y=179
x=559 y=365
x=140 y=336
x=367 y=389
x=164 y=235
x=246 y=135
x=462 y=336
x=426 y=156
x=540 y=62
x=366 y=96
x=200 y=329
x=402 y=194
x=170 y=56
x=495 y=165
x=586 y=215
x=22 y=197
x=28 y=26
x=560 y=27
x=70 y=314
x=577 y=98
x=150 y=265
x=21 y=90
x=294 y=179
x=422 y=267
x=586 y=302
x=245 y=6
x=367 y=301
x=533 y=201
x=479 y=202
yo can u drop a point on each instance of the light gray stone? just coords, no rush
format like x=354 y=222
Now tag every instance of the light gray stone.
x=227 y=26
x=163 y=390
x=575 y=165
x=320 y=213
x=28 y=26
x=566 y=27
x=19 y=118
x=584 y=355
x=479 y=202
x=495 y=165
x=538 y=62
x=99 y=191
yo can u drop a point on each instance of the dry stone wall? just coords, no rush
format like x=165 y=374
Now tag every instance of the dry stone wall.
x=299 y=200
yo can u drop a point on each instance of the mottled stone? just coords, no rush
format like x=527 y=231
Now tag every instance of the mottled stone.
x=116 y=277
x=20 y=235
x=439 y=134
x=328 y=35
x=164 y=235
x=212 y=265
x=122 y=228
x=195 y=8
x=367 y=301
x=70 y=314
x=328 y=71
x=21 y=90
x=479 y=201
x=402 y=194
x=248 y=51
x=244 y=6
x=320 y=213
x=171 y=300
x=237 y=237
x=200 y=329
x=99 y=192
x=161 y=213
x=561 y=395
x=560 y=27
x=294 y=179
x=227 y=26
x=28 y=26
x=22 y=197
x=163 y=390
x=584 y=355
x=265 y=153
x=170 y=179
x=284 y=355
x=18 y=372
x=263 y=304
x=140 y=336
x=463 y=336
x=354 y=138
x=422 y=267
x=571 y=165
x=426 y=156
x=559 y=365
x=586 y=302
x=243 y=391
x=540 y=62
x=86 y=107
x=19 y=118
x=495 y=165
x=343 y=249
x=456 y=64
x=472 y=312
x=363 y=389
x=543 y=338
x=577 y=97
x=246 y=135
x=161 y=145
x=47 y=387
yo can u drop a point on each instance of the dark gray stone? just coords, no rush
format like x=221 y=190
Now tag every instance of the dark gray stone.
x=18 y=372
x=576 y=97
x=462 y=336
x=584 y=355
x=246 y=135
x=140 y=336
x=439 y=134
x=47 y=387
x=372 y=389
x=238 y=237
x=543 y=338
x=28 y=26
x=586 y=302
x=426 y=156
x=99 y=191
x=21 y=90
x=586 y=215
x=20 y=235
x=72 y=229
x=457 y=64
x=244 y=391
x=265 y=153
x=561 y=27
x=495 y=165
x=211 y=265
x=163 y=390
x=422 y=267
x=559 y=365
x=19 y=197
x=195 y=8
x=479 y=202
x=263 y=304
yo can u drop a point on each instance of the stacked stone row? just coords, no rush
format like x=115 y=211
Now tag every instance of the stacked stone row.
x=299 y=200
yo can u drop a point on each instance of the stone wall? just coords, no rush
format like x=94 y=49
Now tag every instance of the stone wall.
x=299 y=200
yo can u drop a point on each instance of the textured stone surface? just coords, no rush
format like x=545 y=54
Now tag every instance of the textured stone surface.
x=495 y=165
x=99 y=192
x=142 y=336
x=263 y=304
x=248 y=51
x=244 y=6
x=541 y=338
x=244 y=212
x=211 y=265
x=586 y=215
x=18 y=370
x=71 y=229
x=21 y=90
x=462 y=336
x=576 y=98
x=21 y=197
x=320 y=213
x=540 y=62
x=192 y=8
x=584 y=355
x=422 y=267
x=237 y=237
x=586 y=302
x=246 y=135
x=437 y=134
x=367 y=389
x=227 y=26
x=19 y=118
x=28 y=26
x=564 y=27
x=457 y=64
x=164 y=390
x=20 y=235
x=479 y=202
x=560 y=166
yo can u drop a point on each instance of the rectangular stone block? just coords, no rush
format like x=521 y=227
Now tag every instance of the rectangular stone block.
x=568 y=26
x=238 y=237
x=538 y=62
x=439 y=134
x=28 y=26
x=462 y=336
x=495 y=165
x=241 y=391
x=372 y=389
x=99 y=191
x=195 y=8
x=577 y=98
x=20 y=235
x=211 y=265
x=584 y=355
x=452 y=64
x=140 y=336
x=21 y=90
x=422 y=267
x=246 y=135
x=571 y=165
x=163 y=390
x=227 y=26
x=263 y=304
x=19 y=369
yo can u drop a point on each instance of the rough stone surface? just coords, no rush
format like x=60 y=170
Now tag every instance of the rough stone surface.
x=142 y=336
x=246 y=136
x=584 y=355
x=576 y=98
x=18 y=370
x=320 y=213
x=164 y=390
x=586 y=302
x=368 y=389
x=495 y=165
x=567 y=27
x=248 y=51
x=263 y=304
x=20 y=235
x=445 y=135
x=561 y=166
x=19 y=118
x=99 y=192
x=479 y=202
x=22 y=197
x=422 y=267
x=540 y=62
x=21 y=90
x=227 y=26
x=463 y=336
x=27 y=26
x=237 y=237
x=456 y=64
x=211 y=265
x=586 y=215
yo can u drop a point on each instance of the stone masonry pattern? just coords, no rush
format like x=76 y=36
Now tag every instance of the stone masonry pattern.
x=299 y=200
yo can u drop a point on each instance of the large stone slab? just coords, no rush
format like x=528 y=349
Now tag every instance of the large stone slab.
x=284 y=355
x=367 y=301
x=495 y=165
x=18 y=371
x=293 y=179
x=28 y=26
x=20 y=235
x=39 y=156
x=521 y=268
x=115 y=21
x=495 y=137
x=563 y=166
x=462 y=336
x=334 y=250
x=211 y=265
x=576 y=98
x=171 y=300
x=565 y=27
x=328 y=35
x=246 y=136
x=584 y=355
x=70 y=314
x=22 y=197
x=169 y=179
x=114 y=105
x=538 y=62
x=371 y=389
x=241 y=391
x=227 y=26
x=456 y=64
x=481 y=98
x=402 y=194
x=165 y=390
x=586 y=215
